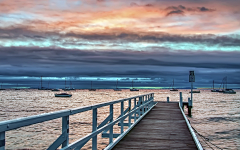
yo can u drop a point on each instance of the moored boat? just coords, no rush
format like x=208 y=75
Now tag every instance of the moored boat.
x=173 y=89
x=195 y=92
x=55 y=90
x=91 y=88
x=229 y=91
x=117 y=89
x=133 y=89
x=63 y=95
x=214 y=90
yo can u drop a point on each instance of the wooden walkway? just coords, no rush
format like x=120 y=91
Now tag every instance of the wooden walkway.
x=162 y=128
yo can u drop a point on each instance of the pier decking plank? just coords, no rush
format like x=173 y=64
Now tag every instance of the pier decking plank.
x=162 y=128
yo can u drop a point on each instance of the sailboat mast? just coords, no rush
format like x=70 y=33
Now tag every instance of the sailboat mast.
x=41 y=82
x=117 y=84
x=213 y=84
x=173 y=83
x=65 y=83
x=226 y=82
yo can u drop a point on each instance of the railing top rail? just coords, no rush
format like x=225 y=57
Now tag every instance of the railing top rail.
x=26 y=121
x=198 y=144
x=90 y=135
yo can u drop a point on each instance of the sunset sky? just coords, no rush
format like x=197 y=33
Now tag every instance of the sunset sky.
x=149 y=41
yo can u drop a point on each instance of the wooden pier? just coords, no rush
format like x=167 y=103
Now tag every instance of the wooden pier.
x=164 y=127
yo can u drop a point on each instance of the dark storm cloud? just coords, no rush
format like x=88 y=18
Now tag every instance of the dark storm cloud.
x=180 y=10
x=60 y=62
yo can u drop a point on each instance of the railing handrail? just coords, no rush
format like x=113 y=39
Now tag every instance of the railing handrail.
x=198 y=144
x=89 y=136
x=26 y=121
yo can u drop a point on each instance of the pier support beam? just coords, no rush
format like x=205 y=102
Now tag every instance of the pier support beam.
x=167 y=99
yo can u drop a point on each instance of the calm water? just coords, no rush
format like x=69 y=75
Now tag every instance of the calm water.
x=215 y=115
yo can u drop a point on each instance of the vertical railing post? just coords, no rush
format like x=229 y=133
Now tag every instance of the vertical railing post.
x=140 y=102
x=129 y=117
x=181 y=102
x=142 y=107
x=135 y=103
x=167 y=99
x=65 y=129
x=152 y=99
x=111 y=128
x=122 y=108
x=94 y=128
x=2 y=140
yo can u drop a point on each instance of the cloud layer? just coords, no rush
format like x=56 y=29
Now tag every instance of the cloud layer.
x=137 y=39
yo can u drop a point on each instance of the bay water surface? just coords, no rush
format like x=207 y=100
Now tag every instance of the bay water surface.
x=215 y=116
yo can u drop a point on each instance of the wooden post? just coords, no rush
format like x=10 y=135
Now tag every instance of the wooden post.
x=111 y=128
x=94 y=128
x=181 y=102
x=168 y=99
x=65 y=128
x=189 y=107
x=2 y=140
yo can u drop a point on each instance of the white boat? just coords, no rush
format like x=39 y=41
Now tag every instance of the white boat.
x=63 y=95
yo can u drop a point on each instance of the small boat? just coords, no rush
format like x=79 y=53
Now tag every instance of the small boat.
x=117 y=89
x=229 y=91
x=195 y=92
x=55 y=90
x=41 y=87
x=214 y=90
x=133 y=89
x=63 y=95
x=1 y=88
x=173 y=89
x=91 y=88
x=17 y=88
x=224 y=80
x=67 y=89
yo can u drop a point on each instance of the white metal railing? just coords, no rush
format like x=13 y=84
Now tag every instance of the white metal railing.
x=198 y=144
x=142 y=105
